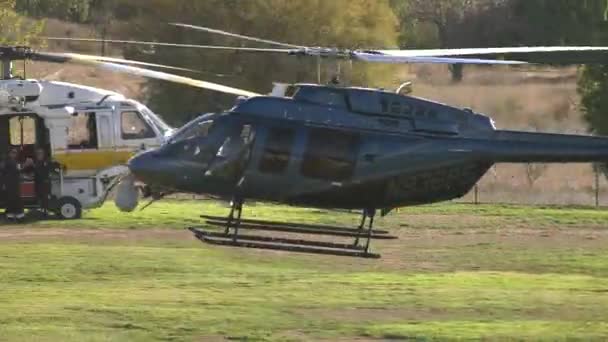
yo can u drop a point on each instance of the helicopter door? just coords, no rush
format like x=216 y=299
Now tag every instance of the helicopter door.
x=105 y=132
x=234 y=155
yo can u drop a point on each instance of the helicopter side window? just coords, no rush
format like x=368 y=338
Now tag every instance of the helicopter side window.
x=408 y=109
x=330 y=155
x=396 y=108
x=420 y=111
x=277 y=150
x=135 y=127
x=327 y=97
x=82 y=133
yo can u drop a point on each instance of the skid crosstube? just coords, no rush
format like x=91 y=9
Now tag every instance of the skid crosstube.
x=282 y=244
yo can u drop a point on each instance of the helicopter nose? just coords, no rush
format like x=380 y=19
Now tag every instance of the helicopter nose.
x=144 y=166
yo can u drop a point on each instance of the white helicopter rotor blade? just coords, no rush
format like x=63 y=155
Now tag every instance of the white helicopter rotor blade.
x=159 y=75
x=124 y=61
x=150 y=43
x=240 y=36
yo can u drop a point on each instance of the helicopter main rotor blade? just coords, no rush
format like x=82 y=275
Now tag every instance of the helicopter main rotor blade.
x=376 y=58
x=150 y=43
x=240 y=36
x=133 y=70
x=533 y=54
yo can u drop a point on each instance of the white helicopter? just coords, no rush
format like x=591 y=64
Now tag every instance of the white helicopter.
x=90 y=132
x=93 y=132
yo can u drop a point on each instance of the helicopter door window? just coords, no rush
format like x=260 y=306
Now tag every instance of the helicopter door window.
x=277 y=150
x=234 y=143
x=134 y=126
x=82 y=133
x=330 y=155
x=23 y=135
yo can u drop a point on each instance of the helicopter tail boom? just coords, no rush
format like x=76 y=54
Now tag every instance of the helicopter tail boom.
x=526 y=147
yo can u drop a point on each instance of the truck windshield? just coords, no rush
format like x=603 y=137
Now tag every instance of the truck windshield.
x=158 y=122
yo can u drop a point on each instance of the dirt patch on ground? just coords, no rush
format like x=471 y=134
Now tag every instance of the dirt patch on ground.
x=41 y=234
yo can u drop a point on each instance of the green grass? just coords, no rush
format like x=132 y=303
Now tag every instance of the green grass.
x=440 y=281
x=178 y=214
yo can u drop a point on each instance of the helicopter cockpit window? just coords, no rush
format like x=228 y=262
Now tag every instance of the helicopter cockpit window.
x=135 y=127
x=82 y=133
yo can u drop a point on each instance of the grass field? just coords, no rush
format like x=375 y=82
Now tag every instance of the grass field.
x=457 y=272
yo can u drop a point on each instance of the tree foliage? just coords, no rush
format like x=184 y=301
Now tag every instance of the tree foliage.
x=14 y=29
x=72 y=10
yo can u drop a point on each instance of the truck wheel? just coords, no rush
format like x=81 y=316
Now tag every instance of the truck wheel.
x=69 y=208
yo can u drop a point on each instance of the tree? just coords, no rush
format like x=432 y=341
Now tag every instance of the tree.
x=442 y=24
x=593 y=80
x=337 y=23
x=71 y=10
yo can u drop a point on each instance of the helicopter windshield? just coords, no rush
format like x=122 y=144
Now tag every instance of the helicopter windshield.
x=195 y=129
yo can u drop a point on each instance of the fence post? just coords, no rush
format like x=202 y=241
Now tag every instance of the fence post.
x=476 y=194
x=597 y=186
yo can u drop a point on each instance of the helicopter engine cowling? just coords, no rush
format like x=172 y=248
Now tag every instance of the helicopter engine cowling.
x=127 y=195
x=14 y=92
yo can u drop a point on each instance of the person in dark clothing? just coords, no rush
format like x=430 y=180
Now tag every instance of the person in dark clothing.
x=11 y=174
x=42 y=169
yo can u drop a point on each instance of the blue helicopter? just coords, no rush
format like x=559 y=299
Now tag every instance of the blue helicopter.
x=336 y=147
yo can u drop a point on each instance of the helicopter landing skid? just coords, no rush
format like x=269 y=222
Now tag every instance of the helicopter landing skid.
x=234 y=239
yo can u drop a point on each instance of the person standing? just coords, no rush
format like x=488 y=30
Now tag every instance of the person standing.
x=42 y=169
x=12 y=186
